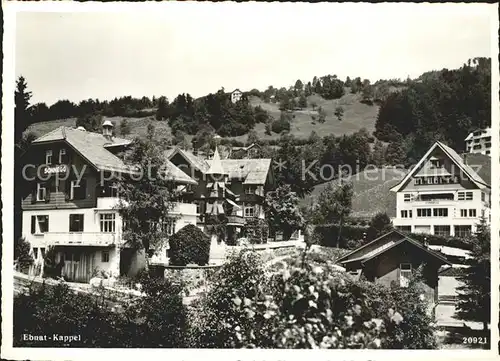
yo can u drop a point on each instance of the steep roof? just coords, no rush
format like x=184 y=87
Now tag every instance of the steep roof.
x=216 y=165
x=459 y=162
x=195 y=161
x=252 y=171
x=92 y=146
x=364 y=253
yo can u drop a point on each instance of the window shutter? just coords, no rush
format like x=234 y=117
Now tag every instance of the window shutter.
x=83 y=187
x=48 y=189
x=33 y=193
x=33 y=224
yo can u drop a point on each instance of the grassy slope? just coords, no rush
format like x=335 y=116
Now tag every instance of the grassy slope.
x=371 y=192
x=356 y=116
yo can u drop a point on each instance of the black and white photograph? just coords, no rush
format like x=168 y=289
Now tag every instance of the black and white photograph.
x=250 y=176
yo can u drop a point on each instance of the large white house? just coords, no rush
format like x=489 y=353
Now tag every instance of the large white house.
x=71 y=200
x=444 y=193
x=479 y=141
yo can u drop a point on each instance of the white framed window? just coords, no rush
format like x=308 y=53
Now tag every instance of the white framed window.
x=465 y=196
x=463 y=213
x=39 y=224
x=249 y=211
x=442 y=230
x=105 y=256
x=62 y=153
x=472 y=213
x=408 y=197
x=168 y=226
x=249 y=190
x=463 y=231
x=107 y=222
x=48 y=156
x=404 y=274
x=424 y=212
x=406 y=214
x=440 y=212
x=436 y=163
x=41 y=192
x=35 y=253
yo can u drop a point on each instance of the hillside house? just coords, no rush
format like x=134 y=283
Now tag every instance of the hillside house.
x=249 y=151
x=235 y=188
x=71 y=198
x=479 y=141
x=236 y=95
x=392 y=259
x=444 y=193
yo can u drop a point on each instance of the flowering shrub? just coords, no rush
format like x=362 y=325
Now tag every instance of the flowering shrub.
x=310 y=308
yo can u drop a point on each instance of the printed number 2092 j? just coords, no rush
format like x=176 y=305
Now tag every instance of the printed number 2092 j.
x=475 y=340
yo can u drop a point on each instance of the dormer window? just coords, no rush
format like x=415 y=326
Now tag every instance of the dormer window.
x=48 y=156
x=62 y=154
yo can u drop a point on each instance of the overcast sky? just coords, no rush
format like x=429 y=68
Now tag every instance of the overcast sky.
x=198 y=48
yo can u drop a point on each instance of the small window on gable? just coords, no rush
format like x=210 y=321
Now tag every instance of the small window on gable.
x=62 y=155
x=404 y=274
x=48 y=156
x=436 y=163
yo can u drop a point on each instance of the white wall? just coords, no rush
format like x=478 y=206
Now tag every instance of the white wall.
x=453 y=206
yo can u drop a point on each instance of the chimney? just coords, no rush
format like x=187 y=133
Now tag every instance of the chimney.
x=107 y=129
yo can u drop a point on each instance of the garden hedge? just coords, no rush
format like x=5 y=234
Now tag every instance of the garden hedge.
x=189 y=245
x=355 y=236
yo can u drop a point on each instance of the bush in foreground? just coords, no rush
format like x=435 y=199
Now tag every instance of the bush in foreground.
x=189 y=245
x=307 y=308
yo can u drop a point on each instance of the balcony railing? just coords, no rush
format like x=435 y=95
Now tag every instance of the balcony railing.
x=80 y=238
x=113 y=202
x=235 y=220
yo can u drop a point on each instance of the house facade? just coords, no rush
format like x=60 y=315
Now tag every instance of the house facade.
x=444 y=194
x=235 y=188
x=479 y=141
x=71 y=198
x=236 y=95
x=393 y=259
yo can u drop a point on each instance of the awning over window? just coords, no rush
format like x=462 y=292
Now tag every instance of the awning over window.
x=233 y=204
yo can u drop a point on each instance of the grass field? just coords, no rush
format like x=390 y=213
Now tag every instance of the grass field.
x=356 y=116
x=371 y=192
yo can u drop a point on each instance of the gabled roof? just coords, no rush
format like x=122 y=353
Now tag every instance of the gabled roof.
x=92 y=146
x=252 y=171
x=459 y=162
x=196 y=162
x=385 y=246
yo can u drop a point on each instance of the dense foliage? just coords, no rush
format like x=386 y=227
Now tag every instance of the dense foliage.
x=22 y=254
x=475 y=295
x=443 y=105
x=147 y=196
x=156 y=320
x=312 y=307
x=189 y=245
x=282 y=211
x=257 y=230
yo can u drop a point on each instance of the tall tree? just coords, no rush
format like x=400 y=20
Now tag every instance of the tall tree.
x=124 y=127
x=378 y=154
x=146 y=197
x=21 y=121
x=283 y=211
x=339 y=113
x=474 y=297
x=335 y=205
